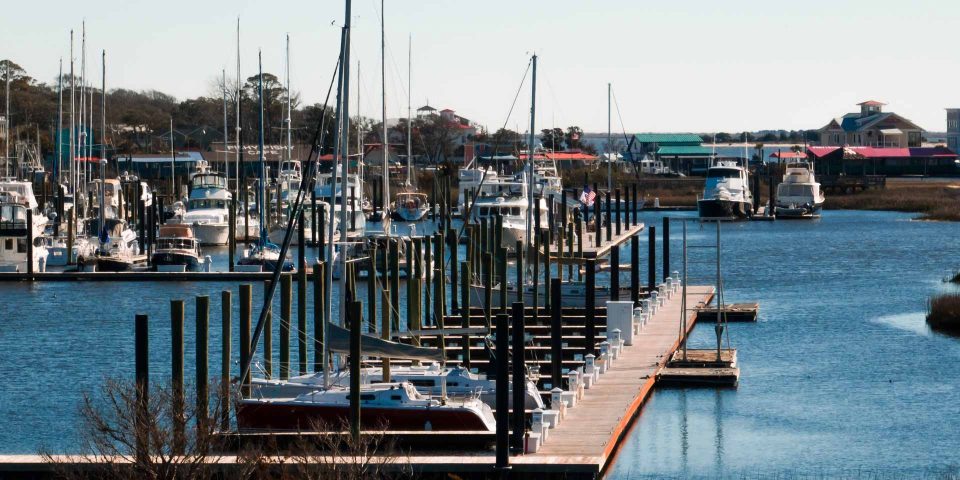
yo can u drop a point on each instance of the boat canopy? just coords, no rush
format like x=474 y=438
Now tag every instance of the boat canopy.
x=339 y=341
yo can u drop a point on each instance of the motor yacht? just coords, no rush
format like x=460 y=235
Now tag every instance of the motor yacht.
x=799 y=196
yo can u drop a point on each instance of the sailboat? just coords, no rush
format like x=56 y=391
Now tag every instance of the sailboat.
x=383 y=215
x=410 y=205
x=264 y=255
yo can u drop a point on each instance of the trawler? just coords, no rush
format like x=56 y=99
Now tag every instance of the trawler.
x=15 y=232
x=799 y=196
x=178 y=250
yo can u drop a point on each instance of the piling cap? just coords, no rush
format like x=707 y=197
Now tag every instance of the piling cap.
x=556 y=390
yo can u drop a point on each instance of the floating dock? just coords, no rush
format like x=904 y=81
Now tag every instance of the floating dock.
x=734 y=312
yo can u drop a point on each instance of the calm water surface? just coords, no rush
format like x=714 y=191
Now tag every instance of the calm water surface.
x=839 y=375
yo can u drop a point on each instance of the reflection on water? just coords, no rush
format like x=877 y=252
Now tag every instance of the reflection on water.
x=840 y=377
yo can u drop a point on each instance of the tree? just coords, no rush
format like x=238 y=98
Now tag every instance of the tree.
x=437 y=136
x=553 y=138
x=572 y=138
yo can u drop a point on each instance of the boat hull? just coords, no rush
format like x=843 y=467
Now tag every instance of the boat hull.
x=295 y=416
x=799 y=212
x=211 y=233
x=117 y=264
x=409 y=214
x=716 y=209
x=190 y=262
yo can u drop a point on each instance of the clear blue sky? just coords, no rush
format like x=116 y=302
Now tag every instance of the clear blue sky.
x=675 y=65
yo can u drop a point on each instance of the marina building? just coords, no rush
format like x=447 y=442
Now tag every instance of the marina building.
x=953 y=129
x=872 y=141
x=682 y=152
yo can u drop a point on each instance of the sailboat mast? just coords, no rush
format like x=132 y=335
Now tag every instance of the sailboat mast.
x=226 y=133
x=6 y=123
x=261 y=190
x=57 y=168
x=173 y=167
x=609 y=145
x=73 y=173
x=533 y=118
x=386 y=140
x=103 y=107
x=409 y=111
x=289 y=120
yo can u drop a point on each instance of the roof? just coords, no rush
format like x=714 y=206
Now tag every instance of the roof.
x=872 y=103
x=685 y=150
x=446 y=110
x=426 y=108
x=884 y=152
x=577 y=155
x=782 y=154
x=677 y=138
x=165 y=157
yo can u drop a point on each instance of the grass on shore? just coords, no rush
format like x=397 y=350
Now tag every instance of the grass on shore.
x=943 y=313
x=933 y=201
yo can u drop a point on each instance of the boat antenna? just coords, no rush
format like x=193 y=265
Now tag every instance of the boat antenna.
x=609 y=143
x=57 y=168
x=289 y=120
x=73 y=170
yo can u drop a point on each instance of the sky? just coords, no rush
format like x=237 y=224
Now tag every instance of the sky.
x=674 y=65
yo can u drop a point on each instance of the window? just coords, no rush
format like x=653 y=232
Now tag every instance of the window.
x=723 y=173
x=417 y=382
x=8 y=244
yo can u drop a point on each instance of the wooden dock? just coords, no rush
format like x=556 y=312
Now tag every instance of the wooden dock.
x=590 y=250
x=141 y=276
x=734 y=312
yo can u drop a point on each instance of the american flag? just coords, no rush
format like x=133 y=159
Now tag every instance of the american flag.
x=588 y=196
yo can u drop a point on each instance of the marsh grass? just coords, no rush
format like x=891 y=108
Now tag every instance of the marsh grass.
x=943 y=313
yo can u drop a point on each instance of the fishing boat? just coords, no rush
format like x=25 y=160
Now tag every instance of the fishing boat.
x=726 y=193
x=178 y=250
x=389 y=406
x=432 y=379
x=799 y=196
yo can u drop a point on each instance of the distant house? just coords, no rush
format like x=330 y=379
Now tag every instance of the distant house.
x=684 y=152
x=871 y=127
x=953 y=129
x=877 y=142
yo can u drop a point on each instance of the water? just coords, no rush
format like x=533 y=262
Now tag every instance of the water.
x=839 y=375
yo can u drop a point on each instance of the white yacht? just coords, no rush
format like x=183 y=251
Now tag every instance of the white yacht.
x=356 y=219
x=726 y=194
x=799 y=196
x=15 y=232
x=208 y=207
x=323 y=208
x=509 y=200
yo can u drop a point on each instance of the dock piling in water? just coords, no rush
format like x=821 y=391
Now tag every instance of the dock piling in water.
x=518 y=423
x=556 y=336
x=202 y=362
x=591 y=306
x=142 y=369
x=615 y=273
x=652 y=258
x=503 y=387
x=226 y=319
x=176 y=375
x=635 y=270
x=465 y=311
x=285 y=310
x=666 y=247
x=246 y=310
x=319 y=307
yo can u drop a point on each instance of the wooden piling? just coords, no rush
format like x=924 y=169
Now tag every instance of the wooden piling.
x=609 y=219
x=314 y=231
x=267 y=339
x=597 y=221
x=355 y=318
x=302 y=316
x=29 y=241
x=618 y=210
x=520 y=272
x=652 y=258
x=142 y=369
x=502 y=276
x=428 y=264
x=635 y=270
x=547 y=273
x=414 y=320
x=591 y=307
x=454 y=254
x=394 y=258
x=666 y=247
x=615 y=273
x=556 y=337
x=226 y=320
x=412 y=301
x=636 y=206
x=372 y=278
x=439 y=289
x=176 y=375
x=202 y=362
x=465 y=311
x=502 y=394
x=488 y=288
x=519 y=423
x=232 y=235
x=246 y=309
x=286 y=298
x=385 y=328
x=71 y=232
x=319 y=307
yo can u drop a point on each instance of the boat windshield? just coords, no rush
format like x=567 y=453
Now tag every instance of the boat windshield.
x=13 y=214
x=795 y=190
x=175 y=243
x=208 y=180
x=494 y=211
x=198 y=204
x=723 y=173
